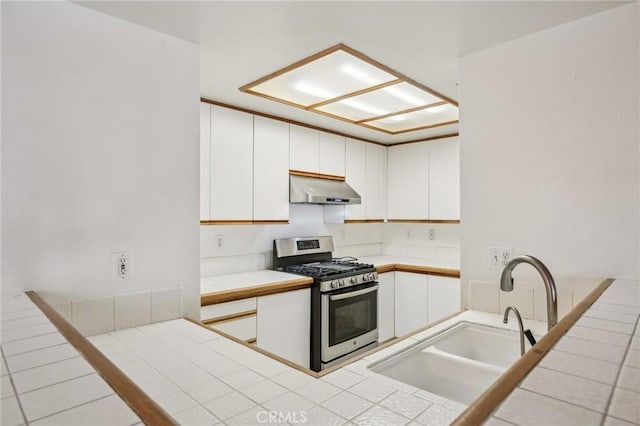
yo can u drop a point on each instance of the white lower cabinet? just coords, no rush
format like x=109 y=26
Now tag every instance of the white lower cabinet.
x=422 y=299
x=444 y=297
x=243 y=328
x=284 y=324
x=386 y=306
x=237 y=318
x=411 y=302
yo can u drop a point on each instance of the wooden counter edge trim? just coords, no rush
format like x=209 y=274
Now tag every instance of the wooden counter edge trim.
x=146 y=408
x=490 y=399
x=429 y=270
x=254 y=291
x=253 y=347
x=364 y=221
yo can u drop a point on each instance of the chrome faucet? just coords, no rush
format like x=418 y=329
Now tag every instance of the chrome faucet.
x=506 y=284
x=520 y=326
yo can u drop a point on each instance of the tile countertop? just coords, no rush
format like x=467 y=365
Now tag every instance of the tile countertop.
x=236 y=281
x=45 y=380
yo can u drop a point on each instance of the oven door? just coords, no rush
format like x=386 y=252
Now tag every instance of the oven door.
x=349 y=320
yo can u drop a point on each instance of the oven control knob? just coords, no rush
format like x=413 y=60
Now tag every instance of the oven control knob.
x=341 y=283
x=334 y=284
x=354 y=280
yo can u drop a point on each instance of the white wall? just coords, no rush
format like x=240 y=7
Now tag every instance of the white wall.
x=549 y=149
x=99 y=154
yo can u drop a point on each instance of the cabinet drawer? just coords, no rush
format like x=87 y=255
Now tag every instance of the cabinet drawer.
x=228 y=308
x=243 y=328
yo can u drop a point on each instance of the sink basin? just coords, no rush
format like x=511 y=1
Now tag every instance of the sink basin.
x=458 y=364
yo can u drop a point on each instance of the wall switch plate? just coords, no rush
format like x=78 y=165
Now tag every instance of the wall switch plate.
x=121 y=265
x=500 y=256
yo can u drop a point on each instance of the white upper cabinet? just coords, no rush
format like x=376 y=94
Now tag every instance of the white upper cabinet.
x=231 y=164
x=304 y=149
x=356 y=176
x=316 y=152
x=270 y=170
x=444 y=179
x=332 y=154
x=205 y=160
x=376 y=182
x=408 y=181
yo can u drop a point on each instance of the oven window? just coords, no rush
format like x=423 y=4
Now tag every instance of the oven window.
x=352 y=317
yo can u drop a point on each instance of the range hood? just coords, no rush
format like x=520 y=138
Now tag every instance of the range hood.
x=313 y=190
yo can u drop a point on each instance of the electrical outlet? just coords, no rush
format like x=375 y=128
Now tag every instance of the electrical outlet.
x=500 y=256
x=219 y=240
x=408 y=234
x=121 y=264
x=432 y=234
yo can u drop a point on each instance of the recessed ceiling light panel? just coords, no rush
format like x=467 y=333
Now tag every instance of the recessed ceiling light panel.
x=347 y=85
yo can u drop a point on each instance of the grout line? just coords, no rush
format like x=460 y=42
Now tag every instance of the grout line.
x=13 y=387
x=74 y=407
x=563 y=401
x=615 y=386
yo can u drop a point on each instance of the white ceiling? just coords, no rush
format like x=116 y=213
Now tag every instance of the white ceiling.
x=243 y=41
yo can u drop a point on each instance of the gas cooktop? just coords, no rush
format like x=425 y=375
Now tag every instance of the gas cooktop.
x=327 y=268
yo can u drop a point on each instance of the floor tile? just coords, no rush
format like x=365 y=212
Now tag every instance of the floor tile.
x=7 y=388
x=229 y=405
x=53 y=399
x=23 y=323
x=320 y=416
x=289 y=401
x=263 y=391
x=581 y=366
x=255 y=416
x=405 y=404
x=318 y=391
x=372 y=390
x=38 y=377
x=612 y=421
x=23 y=313
x=494 y=421
x=611 y=316
x=611 y=307
x=591 y=349
x=629 y=379
x=380 y=416
x=624 y=405
x=41 y=357
x=107 y=411
x=347 y=404
x=32 y=343
x=10 y=414
x=436 y=415
x=526 y=408
x=268 y=367
x=153 y=384
x=196 y=416
x=572 y=389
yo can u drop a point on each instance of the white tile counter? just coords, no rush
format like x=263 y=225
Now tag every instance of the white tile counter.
x=216 y=283
x=45 y=380
x=384 y=260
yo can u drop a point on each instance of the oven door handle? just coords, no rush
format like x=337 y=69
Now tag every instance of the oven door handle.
x=354 y=294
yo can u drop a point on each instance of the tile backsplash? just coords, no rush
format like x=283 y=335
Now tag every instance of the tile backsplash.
x=102 y=315
x=529 y=296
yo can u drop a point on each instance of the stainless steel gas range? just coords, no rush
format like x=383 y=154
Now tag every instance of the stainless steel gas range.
x=344 y=298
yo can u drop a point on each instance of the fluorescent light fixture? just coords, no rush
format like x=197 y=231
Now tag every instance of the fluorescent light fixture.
x=343 y=83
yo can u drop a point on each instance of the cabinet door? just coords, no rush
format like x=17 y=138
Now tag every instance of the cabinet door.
x=444 y=297
x=205 y=160
x=284 y=323
x=386 y=306
x=408 y=193
x=411 y=302
x=231 y=164
x=355 y=174
x=304 y=149
x=332 y=154
x=270 y=169
x=444 y=179
x=376 y=181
